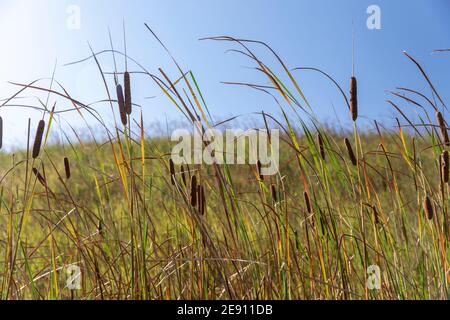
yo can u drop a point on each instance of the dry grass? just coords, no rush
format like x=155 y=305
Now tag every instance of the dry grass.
x=140 y=227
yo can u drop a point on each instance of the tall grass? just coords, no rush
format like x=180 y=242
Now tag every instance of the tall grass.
x=140 y=227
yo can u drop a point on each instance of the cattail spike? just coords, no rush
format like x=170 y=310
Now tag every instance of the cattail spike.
x=428 y=207
x=121 y=102
x=321 y=146
x=39 y=177
x=258 y=165
x=445 y=166
x=274 y=192
x=38 y=139
x=351 y=154
x=127 y=84
x=354 y=98
x=67 y=167
x=172 y=172
x=307 y=202
x=194 y=191
x=442 y=126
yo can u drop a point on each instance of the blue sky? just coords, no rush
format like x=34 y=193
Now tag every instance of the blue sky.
x=304 y=33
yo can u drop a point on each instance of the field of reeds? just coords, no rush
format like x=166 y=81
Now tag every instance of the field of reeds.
x=140 y=227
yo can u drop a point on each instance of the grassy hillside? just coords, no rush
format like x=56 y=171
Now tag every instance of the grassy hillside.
x=309 y=232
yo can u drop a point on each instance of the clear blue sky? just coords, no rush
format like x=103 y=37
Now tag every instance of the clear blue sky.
x=304 y=33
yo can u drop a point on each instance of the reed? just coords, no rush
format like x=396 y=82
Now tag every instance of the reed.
x=321 y=146
x=172 y=171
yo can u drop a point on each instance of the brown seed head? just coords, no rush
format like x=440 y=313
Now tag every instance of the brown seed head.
x=258 y=164
x=172 y=172
x=127 y=84
x=442 y=126
x=121 y=102
x=353 y=98
x=194 y=191
x=39 y=177
x=38 y=139
x=445 y=166
x=67 y=167
x=183 y=175
x=428 y=207
x=273 y=189
x=351 y=154
x=307 y=202
x=321 y=146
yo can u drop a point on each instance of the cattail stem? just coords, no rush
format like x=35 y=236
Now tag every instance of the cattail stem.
x=38 y=139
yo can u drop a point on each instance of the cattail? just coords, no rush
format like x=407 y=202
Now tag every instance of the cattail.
x=126 y=81
x=183 y=175
x=39 y=177
x=1 y=132
x=201 y=200
x=307 y=202
x=172 y=172
x=67 y=167
x=321 y=146
x=120 y=101
x=444 y=133
x=350 y=151
x=38 y=139
x=274 y=192
x=445 y=166
x=428 y=207
x=258 y=164
x=194 y=191
x=353 y=98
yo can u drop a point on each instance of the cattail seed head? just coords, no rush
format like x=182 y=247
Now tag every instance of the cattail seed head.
x=194 y=191
x=258 y=165
x=444 y=133
x=445 y=166
x=121 y=102
x=172 y=172
x=67 y=167
x=201 y=200
x=321 y=146
x=428 y=207
x=273 y=189
x=353 y=98
x=38 y=139
x=307 y=202
x=127 y=84
x=351 y=154
x=39 y=176
x=183 y=175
